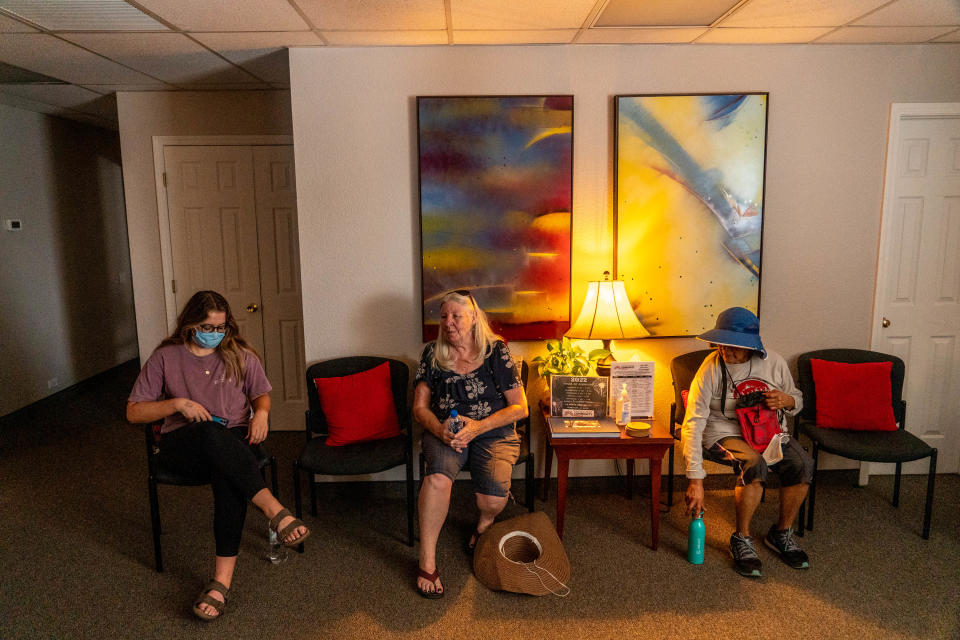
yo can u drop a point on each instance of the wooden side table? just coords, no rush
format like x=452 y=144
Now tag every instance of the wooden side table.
x=651 y=447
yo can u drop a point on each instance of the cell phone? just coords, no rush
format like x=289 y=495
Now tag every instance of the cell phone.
x=218 y=419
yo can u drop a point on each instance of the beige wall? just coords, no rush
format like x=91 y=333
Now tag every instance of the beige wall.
x=66 y=307
x=148 y=114
x=355 y=133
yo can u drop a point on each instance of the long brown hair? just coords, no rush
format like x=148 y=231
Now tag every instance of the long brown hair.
x=231 y=348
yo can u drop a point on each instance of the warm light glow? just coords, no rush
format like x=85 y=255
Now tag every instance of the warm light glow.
x=607 y=314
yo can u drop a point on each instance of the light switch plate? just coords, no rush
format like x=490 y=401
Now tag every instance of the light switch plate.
x=13 y=225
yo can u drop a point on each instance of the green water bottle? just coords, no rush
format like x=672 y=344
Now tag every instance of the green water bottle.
x=697 y=540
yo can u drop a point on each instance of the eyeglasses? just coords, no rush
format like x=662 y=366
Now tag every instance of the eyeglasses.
x=209 y=328
x=466 y=294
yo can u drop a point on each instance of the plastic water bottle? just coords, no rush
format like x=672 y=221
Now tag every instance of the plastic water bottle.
x=623 y=406
x=276 y=553
x=697 y=540
x=455 y=422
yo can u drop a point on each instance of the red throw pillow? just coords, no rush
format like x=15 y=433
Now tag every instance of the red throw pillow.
x=854 y=396
x=359 y=407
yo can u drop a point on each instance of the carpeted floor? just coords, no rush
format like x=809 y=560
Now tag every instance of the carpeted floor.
x=76 y=558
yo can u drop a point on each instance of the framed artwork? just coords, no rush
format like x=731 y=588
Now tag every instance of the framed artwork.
x=496 y=181
x=689 y=185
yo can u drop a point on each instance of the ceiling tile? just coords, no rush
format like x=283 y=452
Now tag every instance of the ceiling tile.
x=9 y=25
x=171 y=57
x=53 y=57
x=228 y=15
x=112 y=88
x=513 y=15
x=230 y=42
x=222 y=86
x=85 y=15
x=799 y=13
x=384 y=38
x=375 y=15
x=953 y=36
x=262 y=54
x=60 y=95
x=29 y=105
x=551 y=36
x=915 y=13
x=730 y=35
x=662 y=13
x=639 y=36
x=883 y=35
x=10 y=74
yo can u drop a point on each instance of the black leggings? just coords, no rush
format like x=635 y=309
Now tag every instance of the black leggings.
x=210 y=452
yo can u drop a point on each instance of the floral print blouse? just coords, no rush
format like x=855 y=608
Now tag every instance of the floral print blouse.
x=477 y=394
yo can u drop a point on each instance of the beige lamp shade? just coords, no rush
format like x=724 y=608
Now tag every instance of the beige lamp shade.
x=607 y=314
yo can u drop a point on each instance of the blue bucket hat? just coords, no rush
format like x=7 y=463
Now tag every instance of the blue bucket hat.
x=736 y=327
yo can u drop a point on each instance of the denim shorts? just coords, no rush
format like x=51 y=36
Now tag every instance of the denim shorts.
x=489 y=460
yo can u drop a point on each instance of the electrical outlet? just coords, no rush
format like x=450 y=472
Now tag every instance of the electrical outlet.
x=52 y=383
x=13 y=225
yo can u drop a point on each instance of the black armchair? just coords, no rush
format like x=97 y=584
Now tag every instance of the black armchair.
x=157 y=475
x=526 y=453
x=871 y=446
x=363 y=457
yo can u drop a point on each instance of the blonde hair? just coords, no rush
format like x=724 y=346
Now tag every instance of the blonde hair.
x=231 y=348
x=444 y=355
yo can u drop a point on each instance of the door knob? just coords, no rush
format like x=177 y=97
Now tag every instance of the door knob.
x=252 y=307
x=884 y=323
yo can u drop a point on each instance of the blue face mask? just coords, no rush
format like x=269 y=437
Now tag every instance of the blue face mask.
x=208 y=340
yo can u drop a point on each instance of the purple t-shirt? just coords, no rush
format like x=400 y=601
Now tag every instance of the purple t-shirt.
x=172 y=371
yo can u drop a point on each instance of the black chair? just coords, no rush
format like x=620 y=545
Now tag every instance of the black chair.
x=363 y=457
x=871 y=446
x=526 y=453
x=157 y=474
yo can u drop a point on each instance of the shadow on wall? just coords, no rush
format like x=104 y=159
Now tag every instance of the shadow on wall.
x=90 y=237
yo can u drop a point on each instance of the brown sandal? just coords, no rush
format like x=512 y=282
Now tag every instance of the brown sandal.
x=290 y=528
x=205 y=598
x=432 y=579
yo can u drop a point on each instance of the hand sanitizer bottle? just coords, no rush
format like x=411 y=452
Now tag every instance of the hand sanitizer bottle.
x=623 y=406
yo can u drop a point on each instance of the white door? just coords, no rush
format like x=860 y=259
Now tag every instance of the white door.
x=232 y=218
x=917 y=300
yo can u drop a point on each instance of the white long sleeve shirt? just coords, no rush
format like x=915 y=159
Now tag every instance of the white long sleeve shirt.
x=704 y=425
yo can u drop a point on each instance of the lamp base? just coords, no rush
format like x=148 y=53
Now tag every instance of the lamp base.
x=603 y=366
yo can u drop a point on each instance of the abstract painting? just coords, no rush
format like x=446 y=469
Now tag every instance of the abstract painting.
x=495 y=204
x=689 y=184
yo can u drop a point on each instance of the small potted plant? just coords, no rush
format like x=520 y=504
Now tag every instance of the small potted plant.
x=565 y=358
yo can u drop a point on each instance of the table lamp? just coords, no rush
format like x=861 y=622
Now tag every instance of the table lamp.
x=606 y=315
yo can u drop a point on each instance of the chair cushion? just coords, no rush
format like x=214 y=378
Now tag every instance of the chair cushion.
x=372 y=456
x=853 y=396
x=873 y=446
x=358 y=407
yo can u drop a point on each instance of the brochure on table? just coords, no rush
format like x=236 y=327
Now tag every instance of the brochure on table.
x=639 y=379
x=578 y=408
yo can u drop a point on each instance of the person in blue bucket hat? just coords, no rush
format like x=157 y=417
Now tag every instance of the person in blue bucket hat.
x=711 y=431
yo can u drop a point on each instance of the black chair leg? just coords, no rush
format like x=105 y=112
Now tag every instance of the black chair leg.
x=800 y=516
x=670 y=478
x=928 y=507
x=410 y=499
x=423 y=466
x=273 y=476
x=155 y=522
x=896 y=485
x=313 y=493
x=530 y=480
x=297 y=504
x=812 y=495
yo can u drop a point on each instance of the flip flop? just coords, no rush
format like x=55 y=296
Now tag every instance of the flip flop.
x=290 y=528
x=205 y=598
x=473 y=540
x=432 y=578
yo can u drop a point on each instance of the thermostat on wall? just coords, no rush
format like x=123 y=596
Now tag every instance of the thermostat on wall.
x=13 y=225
